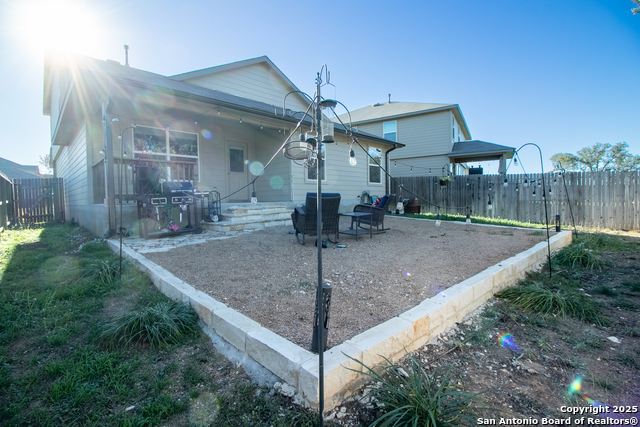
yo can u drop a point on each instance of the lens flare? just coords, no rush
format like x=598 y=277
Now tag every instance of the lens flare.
x=276 y=182
x=406 y=273
x=576 y=385
x=507 y=341
x=256 y=168
x=206 y=134
x=246 y=162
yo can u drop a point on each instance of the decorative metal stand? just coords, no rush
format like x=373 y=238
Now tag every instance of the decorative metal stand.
x=326 y=303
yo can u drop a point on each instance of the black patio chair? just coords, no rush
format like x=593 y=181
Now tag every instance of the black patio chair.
x=304 y=218
x=377 y=214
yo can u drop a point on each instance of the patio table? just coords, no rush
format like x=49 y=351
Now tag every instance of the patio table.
x=355 y=217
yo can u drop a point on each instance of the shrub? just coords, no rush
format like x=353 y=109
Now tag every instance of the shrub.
x=542 y=300
x=576 y=255
x=600 y=241
x=160 y=325
x=413 y=397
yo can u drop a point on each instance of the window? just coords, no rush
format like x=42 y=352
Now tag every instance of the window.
x=375 y=157
x=389 y=131
x=162 y=145
x=312 y=172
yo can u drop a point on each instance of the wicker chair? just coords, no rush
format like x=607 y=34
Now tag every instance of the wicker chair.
x=377 y=214
x=304 y=219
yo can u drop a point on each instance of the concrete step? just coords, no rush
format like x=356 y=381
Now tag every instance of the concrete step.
x=249 y=225
x=241 y=217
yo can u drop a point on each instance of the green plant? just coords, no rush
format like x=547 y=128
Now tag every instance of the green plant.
x=632 y=286
x=629 y=359
x=606 y=383
x=159 y=325
x=412 y=397
x=539 y=299
x=598 y=241
x=576 y=255
x=626 y=304
x=605 y=290
x=544 y=345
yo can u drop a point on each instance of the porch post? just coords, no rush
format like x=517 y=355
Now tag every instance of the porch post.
x=110 y=193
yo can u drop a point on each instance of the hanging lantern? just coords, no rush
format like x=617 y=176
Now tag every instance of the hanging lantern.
x=489 y=205
x=438 y=220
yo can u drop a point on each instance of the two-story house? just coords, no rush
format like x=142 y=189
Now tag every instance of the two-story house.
x=436 y=137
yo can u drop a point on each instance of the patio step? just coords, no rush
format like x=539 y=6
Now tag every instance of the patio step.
x=249 y=217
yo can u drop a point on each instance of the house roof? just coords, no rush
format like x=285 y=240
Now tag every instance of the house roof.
x=127 y=75
x=470 y=151
x=233 y=65
x=396 y=110
x=11 y=170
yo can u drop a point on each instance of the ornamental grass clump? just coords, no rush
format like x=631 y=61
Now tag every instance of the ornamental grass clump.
x=538 y=298
x=577 y=255
x=159 y=325
x=412 y=397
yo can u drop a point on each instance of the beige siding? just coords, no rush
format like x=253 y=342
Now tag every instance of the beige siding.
x=59 y=88
x=423 y=135
x=72 y=167
x=255 y=82
x=421 y=166
x=349 y=181
x=274 y=185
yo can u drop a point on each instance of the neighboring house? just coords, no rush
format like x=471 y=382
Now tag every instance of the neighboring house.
x=436 y=136
x=213 y=127
x=11 y=170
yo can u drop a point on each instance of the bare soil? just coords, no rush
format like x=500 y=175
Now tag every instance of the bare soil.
x=269 y=277
x=534 y=384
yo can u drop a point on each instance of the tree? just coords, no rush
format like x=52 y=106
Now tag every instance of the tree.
x=45 y=165
x=636 y=10
x=598 y=157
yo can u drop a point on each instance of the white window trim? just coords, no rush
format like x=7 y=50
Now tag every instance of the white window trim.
x=167 y=155
x=377 y=184
x=306 y=171
x=395 y=122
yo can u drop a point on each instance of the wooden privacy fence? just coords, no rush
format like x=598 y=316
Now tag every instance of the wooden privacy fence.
x=607 y=199
x=6 y=198
x=37 y=200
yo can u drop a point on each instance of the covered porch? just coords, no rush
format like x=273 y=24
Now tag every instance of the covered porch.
x=480 y=151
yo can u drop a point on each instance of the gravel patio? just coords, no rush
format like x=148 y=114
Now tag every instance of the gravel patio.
x=269 y=277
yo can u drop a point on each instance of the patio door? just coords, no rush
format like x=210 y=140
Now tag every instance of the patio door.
x=237 y=176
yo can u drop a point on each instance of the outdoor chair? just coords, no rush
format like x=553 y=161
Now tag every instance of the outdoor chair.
x=304 y=218
x=377 y=212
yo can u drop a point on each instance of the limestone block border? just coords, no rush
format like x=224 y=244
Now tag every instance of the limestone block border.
x=410 y=330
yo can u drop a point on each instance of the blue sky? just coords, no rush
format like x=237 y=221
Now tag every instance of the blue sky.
x=562 y=74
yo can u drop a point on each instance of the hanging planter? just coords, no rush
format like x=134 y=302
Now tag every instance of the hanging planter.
x=444 y=181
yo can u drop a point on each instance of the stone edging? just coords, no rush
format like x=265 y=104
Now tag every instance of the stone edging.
x=410 y=330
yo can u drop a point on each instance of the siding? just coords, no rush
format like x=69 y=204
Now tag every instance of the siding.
x=255 y=82
x=349 y=181
x=421 y=166
x=278 y=173
x=72 y=167
x=423 y=135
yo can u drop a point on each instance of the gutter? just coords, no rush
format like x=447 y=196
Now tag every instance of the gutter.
x=386 y=166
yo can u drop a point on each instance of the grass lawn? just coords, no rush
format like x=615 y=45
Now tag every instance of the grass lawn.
x=79 y=346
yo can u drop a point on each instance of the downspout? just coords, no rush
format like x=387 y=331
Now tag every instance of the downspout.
x=386 y=166
x=108 y=158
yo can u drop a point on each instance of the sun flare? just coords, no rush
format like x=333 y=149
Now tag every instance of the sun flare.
x=57 y=25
